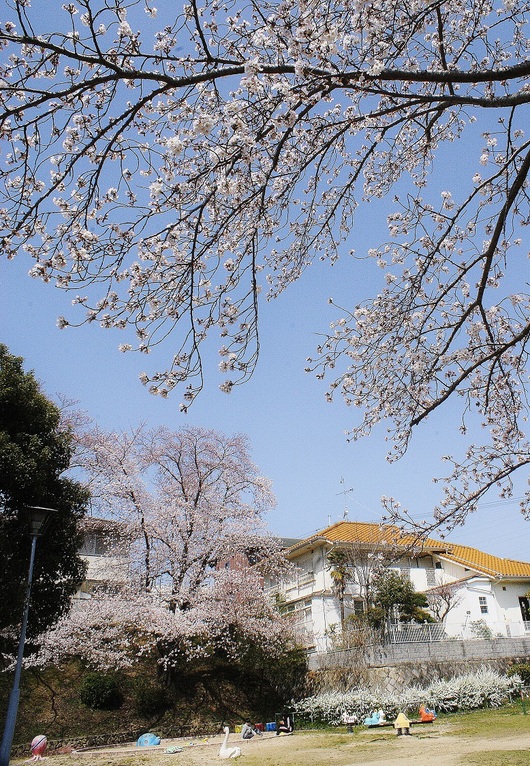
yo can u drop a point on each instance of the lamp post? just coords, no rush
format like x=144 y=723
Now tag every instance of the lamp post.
x=39 y=518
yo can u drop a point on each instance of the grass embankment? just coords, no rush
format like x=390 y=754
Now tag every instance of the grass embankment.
x=198 y=700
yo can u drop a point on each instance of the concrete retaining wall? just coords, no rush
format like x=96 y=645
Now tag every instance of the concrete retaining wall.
x=438 y=651
x=449 y=651
x=394 y=666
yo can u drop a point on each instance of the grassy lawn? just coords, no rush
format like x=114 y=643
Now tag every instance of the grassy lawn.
x=499 y=758
x=505 y=721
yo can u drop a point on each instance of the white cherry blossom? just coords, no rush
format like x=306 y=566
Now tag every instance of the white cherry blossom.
x=216 y=150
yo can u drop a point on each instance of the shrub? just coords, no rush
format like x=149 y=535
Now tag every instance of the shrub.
x=100 y=692
x=521 y=669
x=480 y=629
x=473 y=690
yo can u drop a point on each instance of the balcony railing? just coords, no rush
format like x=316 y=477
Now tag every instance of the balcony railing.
x=306 y=579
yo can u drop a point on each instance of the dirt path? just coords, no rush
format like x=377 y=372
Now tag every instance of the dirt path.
x=441 y=744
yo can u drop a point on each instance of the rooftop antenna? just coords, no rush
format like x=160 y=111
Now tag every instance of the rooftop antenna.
x=344 y=492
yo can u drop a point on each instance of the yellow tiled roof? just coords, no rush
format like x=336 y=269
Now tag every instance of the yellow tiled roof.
x=367 y=533
x=485 y=562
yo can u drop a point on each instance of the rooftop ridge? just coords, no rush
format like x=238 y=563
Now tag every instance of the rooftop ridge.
x=344 y=531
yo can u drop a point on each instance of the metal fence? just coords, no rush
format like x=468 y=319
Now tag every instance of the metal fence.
x=410 y=634
x=468 y=631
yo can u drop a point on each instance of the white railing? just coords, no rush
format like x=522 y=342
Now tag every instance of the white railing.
x=306 y=579
x=409 y=634
x=467 y=631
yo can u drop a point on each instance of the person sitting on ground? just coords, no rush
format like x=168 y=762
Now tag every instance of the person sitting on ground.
x=247 y=731
x=285 y=724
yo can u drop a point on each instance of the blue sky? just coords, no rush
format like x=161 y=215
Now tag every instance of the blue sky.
x=298 y=439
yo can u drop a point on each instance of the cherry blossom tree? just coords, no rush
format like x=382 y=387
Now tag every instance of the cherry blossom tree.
x=165 y=169
x=191 y=551
x=116 y=629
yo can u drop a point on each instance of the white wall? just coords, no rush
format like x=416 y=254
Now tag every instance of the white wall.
x=312 y=579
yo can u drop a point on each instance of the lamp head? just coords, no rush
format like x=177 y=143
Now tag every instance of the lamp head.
x=39 y=518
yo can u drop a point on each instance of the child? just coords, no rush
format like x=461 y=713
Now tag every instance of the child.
x=285 y=724
x=247 y=731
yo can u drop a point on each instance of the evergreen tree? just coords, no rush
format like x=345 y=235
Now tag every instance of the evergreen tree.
x=340 y=570
x=395 y=597
x=34 y=454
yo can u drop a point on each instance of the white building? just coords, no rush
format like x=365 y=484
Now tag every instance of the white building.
x=104 y=550
x=488 y=596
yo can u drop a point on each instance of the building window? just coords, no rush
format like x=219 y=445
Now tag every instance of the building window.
x=438 y=565
x=300 y=609
x=524 y=604
x=483 y=604
x=358 y=608
x=430 y=575
x=94 y=544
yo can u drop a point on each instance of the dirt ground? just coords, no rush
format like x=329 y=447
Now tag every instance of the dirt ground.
x=437 y=745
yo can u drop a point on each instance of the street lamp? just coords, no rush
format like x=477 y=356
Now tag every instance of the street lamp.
x=38 y=518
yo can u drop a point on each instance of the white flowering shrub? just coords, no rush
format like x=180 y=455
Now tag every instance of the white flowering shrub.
x=484 y=688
